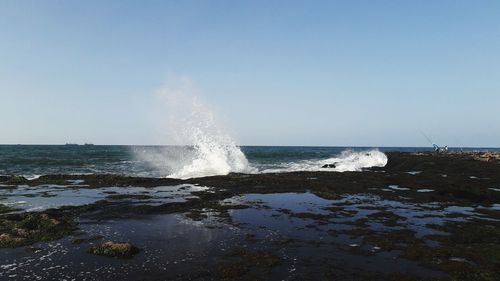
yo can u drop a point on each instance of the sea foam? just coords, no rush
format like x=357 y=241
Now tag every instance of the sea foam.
x=348 y=160
x=205 y=148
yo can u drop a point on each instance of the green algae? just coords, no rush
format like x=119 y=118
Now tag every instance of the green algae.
x=28 y=228
x=115 y=249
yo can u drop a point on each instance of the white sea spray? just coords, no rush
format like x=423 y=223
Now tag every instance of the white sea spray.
x=348 y=160
x=204 y=147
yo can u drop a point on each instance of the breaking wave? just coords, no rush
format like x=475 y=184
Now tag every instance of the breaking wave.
x=348 y=160
x=206 y=149
x=202 y=147
x=213 y=155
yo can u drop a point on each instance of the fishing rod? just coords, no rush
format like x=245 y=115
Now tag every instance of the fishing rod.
x=427 y=138
x=435 y=146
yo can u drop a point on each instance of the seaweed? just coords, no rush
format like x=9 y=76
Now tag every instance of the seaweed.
x=28 y=228
x=115 y=249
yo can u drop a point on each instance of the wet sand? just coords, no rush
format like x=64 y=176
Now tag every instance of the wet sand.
x=422 y=217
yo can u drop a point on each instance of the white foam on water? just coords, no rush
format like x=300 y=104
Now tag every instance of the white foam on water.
x=32 y=177
x=396 y=187
x=348 y=160
x=14 y=203
x=204 y=148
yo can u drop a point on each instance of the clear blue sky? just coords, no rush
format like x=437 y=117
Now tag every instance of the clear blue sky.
x=280 y=72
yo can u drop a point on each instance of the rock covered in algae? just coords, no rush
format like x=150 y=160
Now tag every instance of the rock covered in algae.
x=27 y=228
x=6 y=209
x=115 y=249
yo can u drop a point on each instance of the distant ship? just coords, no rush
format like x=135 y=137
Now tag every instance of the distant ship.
x=88 y=144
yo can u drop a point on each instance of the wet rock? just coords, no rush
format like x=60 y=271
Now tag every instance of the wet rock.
x=15 y=180
x=264 y=259
x=488 y=156
x=115 y=249
x=329 y=166
x=231 y=270
x=244 y=261
x=6 y=209
x=387 y=218
x=129 y=196
x=8 y=240
x=477 y=243
x=196 y=215
x=28 y=228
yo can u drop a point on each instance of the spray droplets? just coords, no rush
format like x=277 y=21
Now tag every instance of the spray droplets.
x=206 y=147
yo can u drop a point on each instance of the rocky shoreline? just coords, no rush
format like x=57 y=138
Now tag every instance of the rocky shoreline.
x=433 y=216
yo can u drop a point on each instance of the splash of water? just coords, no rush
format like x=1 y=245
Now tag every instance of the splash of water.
x=214 y=155
x=356 y=161
x=206 y=149
x=348 y=160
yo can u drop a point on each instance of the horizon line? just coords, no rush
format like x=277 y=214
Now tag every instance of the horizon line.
x=243 y=145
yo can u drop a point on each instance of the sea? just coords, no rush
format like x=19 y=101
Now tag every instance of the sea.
x=32 y=161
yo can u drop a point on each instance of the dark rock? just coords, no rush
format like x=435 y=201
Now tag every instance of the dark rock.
x=129 y=196
x=6 y=209
x=115 y=249
x=28 y=228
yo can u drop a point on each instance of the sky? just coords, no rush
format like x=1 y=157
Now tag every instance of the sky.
x=332 y=73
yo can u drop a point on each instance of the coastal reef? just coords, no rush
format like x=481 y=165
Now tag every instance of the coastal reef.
x=423 y=216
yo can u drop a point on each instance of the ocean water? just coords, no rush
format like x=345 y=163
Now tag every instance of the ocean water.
x=185 y=161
